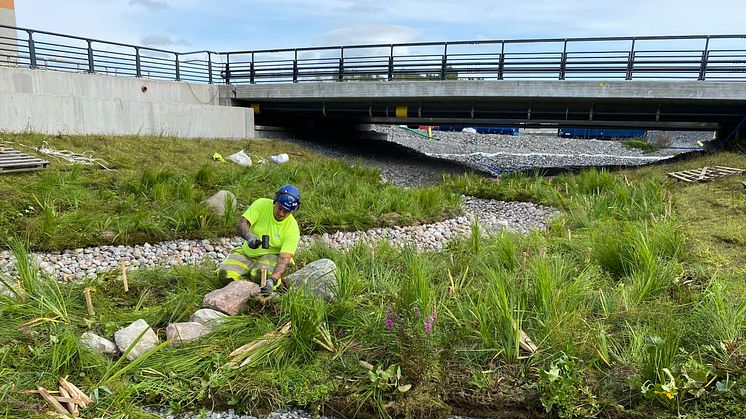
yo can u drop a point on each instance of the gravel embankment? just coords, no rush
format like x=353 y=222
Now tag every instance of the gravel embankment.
x=497 y=154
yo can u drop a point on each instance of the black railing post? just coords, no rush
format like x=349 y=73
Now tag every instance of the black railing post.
x=631 y=61
x=705 y=58
x=252 y=70
x=138 y=69
x=391 y=64
x=178 y=70
x=227 y=76
x=444 y=62
x=91 y=65
x=501 y=67
x=563 y=62
x=209 y=67
x=295 y=67
x=31 y=49
x=340 y=76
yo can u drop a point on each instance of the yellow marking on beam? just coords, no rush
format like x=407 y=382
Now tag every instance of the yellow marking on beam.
x=256 y=108
x=401 y=111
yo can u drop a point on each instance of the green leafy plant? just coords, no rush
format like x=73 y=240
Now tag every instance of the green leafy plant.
x=383 y=383
x=563 y=391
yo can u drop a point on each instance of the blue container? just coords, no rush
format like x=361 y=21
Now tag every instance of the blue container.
x=600 y=133
x=481 y=130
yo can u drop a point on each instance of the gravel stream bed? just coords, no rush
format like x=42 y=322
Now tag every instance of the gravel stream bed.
x=76 y=264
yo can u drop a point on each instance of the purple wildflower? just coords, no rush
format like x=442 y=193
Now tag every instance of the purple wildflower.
x=417 y=311
x=428 y=325
x=389 y=321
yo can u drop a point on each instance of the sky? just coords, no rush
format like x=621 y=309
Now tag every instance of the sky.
x=229 y=25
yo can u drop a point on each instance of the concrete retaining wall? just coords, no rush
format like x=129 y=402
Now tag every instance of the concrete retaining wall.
x=8 y=47
x=70 y=103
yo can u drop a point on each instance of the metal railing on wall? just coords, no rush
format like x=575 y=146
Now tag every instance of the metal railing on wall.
x=692 y=57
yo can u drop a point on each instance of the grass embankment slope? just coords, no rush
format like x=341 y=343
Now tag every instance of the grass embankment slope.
x=156 y=184
x=638 y=308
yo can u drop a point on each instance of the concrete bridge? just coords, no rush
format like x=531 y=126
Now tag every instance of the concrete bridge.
x=654 y=104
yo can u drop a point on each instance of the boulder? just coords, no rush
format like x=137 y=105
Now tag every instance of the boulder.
x=125 y=337
x=97 y=343
x=318 y=278
x=217 y=202
x=207 y=317
x=231 y=299
x=184 y=332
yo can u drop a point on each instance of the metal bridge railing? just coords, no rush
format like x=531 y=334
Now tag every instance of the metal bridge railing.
x=693 y=57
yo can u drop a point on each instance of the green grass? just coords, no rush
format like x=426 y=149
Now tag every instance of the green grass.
x=638 y=307
x=640 y=145
x=156 y=185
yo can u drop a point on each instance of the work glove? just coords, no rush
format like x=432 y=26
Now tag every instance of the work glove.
x=252 y=241
x=269 y=287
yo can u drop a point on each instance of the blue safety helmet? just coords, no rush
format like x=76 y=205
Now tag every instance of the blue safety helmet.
x=288 y=196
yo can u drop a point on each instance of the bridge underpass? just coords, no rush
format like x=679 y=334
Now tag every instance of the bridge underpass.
x=650 y=105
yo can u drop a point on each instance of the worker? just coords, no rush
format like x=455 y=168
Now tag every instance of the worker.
x=271 y=237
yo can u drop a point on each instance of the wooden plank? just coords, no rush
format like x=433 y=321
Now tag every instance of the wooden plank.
x=25 y=169
x=15 y=155
x=10 y=155
x=732 y=168
x=75 y=391
x=20 y=164
x=679 y=176
x=48 y=397
x=702 y=173
x=10 y=162
x=72 y=405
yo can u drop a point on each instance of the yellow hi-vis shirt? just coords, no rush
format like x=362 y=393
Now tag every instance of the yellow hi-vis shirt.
x=283 y=235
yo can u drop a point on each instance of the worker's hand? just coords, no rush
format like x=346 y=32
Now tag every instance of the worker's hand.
x=269 y=287
x=252 y=241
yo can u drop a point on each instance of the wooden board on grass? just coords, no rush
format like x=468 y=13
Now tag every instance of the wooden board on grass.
x=705 y=174
x=13 y=161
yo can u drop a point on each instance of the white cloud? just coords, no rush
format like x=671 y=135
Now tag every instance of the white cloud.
x=151 y=4
x=163 y=41
x=370 y=34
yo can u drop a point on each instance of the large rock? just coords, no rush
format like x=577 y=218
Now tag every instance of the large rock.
x=217 y=202
x=231 y=299
x=125 y=337
x=207 y=317
x=184 y=332
x=97 y=343
x=318 y=278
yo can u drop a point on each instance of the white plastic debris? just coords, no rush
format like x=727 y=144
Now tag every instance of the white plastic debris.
x=280 y=158
x=469 y=130
x=241 y=158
